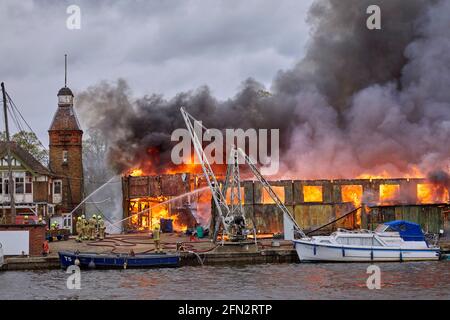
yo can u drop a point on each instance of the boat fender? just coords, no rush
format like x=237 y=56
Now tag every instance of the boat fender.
x=343 y=252
x=77 y=262
x=371 y=254
x=315 y=249
x=91 y=265
x=401 y=256
x=125 y=265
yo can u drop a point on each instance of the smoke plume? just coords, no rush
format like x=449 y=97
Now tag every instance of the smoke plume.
x=360 y=101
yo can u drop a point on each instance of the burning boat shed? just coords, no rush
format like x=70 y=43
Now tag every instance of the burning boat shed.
x=145 y=201
x=313 y=203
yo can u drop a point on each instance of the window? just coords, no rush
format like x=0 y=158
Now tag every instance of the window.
x=67 y=222
x=267 y=199
x=65 y=156
x=352 y=193
x=28 y=183
x=228 y=196
x=20 y=185
x=312 y=194
x=6 y=186
x=57 y=187
x=431 y=193
x=389 y=192
x=359 y=241
x=382 y=228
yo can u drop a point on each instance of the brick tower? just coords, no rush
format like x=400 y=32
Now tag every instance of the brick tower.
x=65 y=139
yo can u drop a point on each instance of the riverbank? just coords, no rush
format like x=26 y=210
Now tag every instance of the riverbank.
x=202 y=252
x=193 y=253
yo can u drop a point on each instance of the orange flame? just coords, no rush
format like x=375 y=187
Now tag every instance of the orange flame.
x=267 y=199
x=148 y=212
x=136 y=172
x=312 y=194
x=431 y=193
x=389 y=192
x=352 y=193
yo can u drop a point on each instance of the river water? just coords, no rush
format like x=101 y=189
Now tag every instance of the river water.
x=412 y=280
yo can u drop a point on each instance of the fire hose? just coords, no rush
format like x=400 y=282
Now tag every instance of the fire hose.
x=116 y=242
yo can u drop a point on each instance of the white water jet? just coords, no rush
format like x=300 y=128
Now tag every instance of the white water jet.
x=160 y=204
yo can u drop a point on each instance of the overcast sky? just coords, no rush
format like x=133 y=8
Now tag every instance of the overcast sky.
x=158 y=46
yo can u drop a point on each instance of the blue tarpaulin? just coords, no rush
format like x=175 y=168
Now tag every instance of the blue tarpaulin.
x=409 y=231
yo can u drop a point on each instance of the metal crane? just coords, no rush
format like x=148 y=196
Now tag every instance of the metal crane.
x=287 y=216
x=232 y=217
x=218 y=197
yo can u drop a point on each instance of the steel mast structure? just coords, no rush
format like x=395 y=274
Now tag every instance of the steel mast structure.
x=218 y=197
x=233 y=215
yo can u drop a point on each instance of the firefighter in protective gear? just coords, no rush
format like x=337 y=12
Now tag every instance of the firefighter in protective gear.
x=157 y=239
x=84 y=228
x=92 y=225
x=101 y=228
x=79 y=227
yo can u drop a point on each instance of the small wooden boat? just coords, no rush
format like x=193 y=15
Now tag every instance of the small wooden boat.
x=89 y=260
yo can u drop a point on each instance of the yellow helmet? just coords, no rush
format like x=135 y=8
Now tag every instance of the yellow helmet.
x=26 y=217
x=83 y=217
x=79 y=218
x=94 y=216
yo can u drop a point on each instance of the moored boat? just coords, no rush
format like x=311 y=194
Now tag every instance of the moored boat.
x=123 y=261
x=397 y=240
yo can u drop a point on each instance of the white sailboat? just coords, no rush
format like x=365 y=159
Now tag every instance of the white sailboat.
x=397 y=240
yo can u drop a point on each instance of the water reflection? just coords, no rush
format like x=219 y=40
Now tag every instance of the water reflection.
x=424 y=280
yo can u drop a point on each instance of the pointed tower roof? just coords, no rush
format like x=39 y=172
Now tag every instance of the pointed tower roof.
x=65 y=119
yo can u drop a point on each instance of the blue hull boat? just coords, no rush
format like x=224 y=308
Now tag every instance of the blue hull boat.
x=123 y=261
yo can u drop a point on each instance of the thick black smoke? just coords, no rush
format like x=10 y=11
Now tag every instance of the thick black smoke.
x=440 y=177
x=361 y=101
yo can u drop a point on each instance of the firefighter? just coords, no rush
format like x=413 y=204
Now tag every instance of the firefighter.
x=101 y=228
x=92 y=224
x=25 y=220
x=80 y=226
x=97 y=226
x=156 y=239
x=84 y=228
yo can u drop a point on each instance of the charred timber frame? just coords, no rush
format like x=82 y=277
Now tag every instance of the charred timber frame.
x=308 y=214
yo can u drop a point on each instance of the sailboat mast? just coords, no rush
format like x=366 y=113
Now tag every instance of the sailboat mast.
x=65 y=70
x=12 y=217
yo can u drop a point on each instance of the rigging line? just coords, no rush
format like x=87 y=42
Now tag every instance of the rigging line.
x=21 y=130
x=12 y=103
x=15 y=120
x=14 y=114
